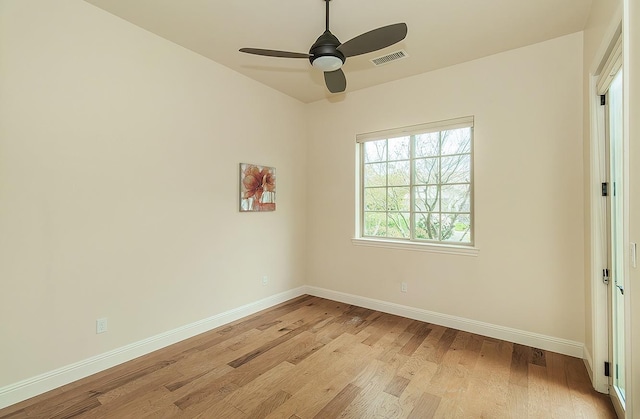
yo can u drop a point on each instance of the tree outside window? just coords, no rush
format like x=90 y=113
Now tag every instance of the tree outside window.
x=419 y=186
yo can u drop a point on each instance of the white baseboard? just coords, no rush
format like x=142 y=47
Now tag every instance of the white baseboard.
x=42 y=383
x=548 y=343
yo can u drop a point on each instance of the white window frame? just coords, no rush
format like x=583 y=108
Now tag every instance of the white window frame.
x=412 y=243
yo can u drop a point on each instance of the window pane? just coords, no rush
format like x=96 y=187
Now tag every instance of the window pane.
x=456 y=169
x=426 y=171
x=398 y=226
x=398 y=199
x=375 y=224
x=427 y=145
x=375 y=151
x=375 y=199
x=427 y=226
x=399 y=173
x=375 y=174
x=426 y=198
x=456 y=228
x=456 y=141
x=420 y=182
x=455 y=198
x=399 y=148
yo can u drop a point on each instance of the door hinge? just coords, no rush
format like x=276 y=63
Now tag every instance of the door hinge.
x=605 y=276
x=607 y=372
x=605 y=189
x=603 y=100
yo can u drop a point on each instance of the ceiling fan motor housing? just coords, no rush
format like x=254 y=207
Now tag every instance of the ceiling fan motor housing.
x=326 y=46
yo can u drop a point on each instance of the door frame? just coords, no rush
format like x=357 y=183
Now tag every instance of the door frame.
x=614 y=275
x=599 y=300
x=598 y=238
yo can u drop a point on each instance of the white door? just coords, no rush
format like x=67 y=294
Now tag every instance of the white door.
x=615 y=147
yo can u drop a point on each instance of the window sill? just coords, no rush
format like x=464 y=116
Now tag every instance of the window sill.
x=419 y=247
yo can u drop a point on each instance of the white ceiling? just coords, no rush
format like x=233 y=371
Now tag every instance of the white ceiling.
x=441 y=33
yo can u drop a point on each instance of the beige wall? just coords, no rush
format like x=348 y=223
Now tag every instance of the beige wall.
x=119 y=156
x=529 y=273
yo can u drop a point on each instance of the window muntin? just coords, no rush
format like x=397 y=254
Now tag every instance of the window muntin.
x=416 y=184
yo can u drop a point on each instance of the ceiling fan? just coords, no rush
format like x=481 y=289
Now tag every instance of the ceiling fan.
x=329 y=54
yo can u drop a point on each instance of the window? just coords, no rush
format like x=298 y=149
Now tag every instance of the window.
x=416 y=183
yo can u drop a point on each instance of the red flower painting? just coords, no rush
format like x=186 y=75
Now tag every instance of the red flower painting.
x=257 y=188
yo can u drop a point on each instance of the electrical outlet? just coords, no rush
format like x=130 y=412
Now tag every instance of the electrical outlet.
x=403 y=287
x=101 y=325
x=265 y=280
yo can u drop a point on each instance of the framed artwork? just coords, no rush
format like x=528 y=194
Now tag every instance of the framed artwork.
x=257 y=188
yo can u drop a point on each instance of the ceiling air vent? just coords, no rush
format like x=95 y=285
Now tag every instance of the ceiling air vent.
x=386 y=59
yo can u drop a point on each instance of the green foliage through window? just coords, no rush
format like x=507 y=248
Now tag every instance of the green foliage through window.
x=418 y=185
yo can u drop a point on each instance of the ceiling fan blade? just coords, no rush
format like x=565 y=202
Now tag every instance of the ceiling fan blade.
x=374 y=40
x=335 y=80
x=274 y=53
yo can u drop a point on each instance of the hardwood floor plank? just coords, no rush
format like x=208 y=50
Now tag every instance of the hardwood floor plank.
x=138 y=407
x=416 y=340
x=420 y=374
x=15 y=414
x=176 y=384
x=290 y=332
x=517 y=401
x=269 y=405
x=520 y=360
x=132 y=392
x=518 y=393
x=253 y=364
x=310 y=350
x=396 y=386
x=488 y=383
x=539 y=402
x=451 y=379
x=426 y=407
x=373 y=379
x=255 y=321
x=248 y=397
x=391 y=349
x=77 y=409
x=428 y=347
x=308 y=401
x=471 y=352
x=383 y=406
x=335 y=407
x=559 y=387
x=380 y=326
x=78 y=403
x=443 y=345
x=312 y=357
x=213 y=392
x=221 y=410
x=166 y=402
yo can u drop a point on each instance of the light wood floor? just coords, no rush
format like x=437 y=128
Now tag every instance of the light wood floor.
x=315 y=358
